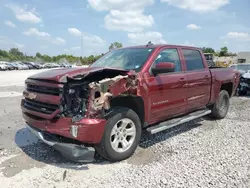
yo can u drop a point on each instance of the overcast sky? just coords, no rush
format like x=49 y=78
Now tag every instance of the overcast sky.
x=56 y=26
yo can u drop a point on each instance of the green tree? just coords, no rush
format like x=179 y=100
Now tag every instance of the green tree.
x=54 y=58
x=16 y=52
x=223 y=51
x=46 y=58
x=91 y=59
x=38 y=55
x=208 y=50
x=115 y=45
x=3 y=53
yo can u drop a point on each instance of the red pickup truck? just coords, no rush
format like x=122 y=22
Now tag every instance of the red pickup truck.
x=104 y=108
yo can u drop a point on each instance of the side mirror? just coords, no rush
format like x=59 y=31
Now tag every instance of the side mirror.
x=163 y=67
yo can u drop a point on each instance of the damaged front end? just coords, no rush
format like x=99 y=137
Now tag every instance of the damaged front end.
x=68 y=111
x=88 y=96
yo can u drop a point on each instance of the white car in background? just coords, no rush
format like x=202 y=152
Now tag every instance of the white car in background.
x=244 y=70
x=21 y=66
x=18 y=67
x=3 y=65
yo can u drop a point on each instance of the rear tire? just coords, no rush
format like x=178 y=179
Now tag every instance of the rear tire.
x=121 y=136
x=221 y=106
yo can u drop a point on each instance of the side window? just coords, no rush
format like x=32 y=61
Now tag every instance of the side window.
x=171 y=56
x=193 y=60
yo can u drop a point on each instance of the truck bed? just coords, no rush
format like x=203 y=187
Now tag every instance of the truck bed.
x=220 y=76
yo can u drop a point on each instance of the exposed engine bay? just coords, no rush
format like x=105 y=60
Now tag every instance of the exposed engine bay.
x=90 y=95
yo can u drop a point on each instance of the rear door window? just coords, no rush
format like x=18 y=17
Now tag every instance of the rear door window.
x=193 y=60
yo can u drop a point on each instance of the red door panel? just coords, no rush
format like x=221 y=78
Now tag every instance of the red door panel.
x=168 y=97
x=198 y=91
x=167 y=91
x=198 y=79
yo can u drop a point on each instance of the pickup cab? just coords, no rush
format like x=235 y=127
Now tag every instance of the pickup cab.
x=104 y=108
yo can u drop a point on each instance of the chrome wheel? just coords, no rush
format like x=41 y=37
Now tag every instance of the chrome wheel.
x=123 y=135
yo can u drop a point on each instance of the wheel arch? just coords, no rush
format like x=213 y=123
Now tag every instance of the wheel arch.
x=227 y=87
x=133 y=102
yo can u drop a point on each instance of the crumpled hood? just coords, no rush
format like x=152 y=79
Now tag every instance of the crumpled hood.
x=61 y=75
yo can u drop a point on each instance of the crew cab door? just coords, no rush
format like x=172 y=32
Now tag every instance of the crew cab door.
x=167 y=91
x=198 y=78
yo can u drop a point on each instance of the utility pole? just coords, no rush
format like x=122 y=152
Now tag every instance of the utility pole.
x=81 y=48
x=81 y=44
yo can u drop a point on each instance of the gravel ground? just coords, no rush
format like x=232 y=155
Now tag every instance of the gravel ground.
x=203 y=153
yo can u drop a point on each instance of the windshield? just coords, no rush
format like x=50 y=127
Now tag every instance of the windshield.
x=127 y=58
x=241 y=67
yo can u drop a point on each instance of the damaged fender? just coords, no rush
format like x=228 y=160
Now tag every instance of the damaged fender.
x=102 y=91
x=88 y=94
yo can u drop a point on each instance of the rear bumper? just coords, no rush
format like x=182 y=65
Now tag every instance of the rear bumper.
x=73 y=152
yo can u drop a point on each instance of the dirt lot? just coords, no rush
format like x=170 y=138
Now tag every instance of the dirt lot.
x=204 y=153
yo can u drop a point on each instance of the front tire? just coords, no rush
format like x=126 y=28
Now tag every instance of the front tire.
x=221 y=106
x=121 y=136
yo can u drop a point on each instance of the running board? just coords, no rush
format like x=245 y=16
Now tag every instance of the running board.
x=177 y=121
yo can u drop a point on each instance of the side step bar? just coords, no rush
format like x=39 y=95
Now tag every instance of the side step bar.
x=177 y=121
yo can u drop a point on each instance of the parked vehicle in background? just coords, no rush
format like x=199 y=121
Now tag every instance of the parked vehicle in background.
x=30 y=66
x=68 y=65
x=47 y=65
x=3 y=66
x=39 y=65
x=65 y=65
x=55 y=65
x=25 y=67
x=35 y=65
x=42 y=66
x=17 y=66
x=105 y=106
x=21 y=66
x=10 y=66
x=210 y=59
x=241 y=67
x=244 y=85
x=14 y=65
x=61 y=65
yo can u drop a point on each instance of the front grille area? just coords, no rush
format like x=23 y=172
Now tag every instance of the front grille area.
x=44 y=89
x=39 y=106
x=34 y=117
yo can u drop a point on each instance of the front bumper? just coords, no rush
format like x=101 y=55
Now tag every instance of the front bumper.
x=73 y=152
x=89 y=130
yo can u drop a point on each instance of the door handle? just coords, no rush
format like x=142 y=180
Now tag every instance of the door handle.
x=181 y=79
x=206 y=77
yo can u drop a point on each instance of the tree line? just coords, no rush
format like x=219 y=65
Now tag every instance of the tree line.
x=14 y=54
x=222 y=52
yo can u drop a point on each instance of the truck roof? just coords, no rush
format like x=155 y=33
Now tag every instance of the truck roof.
x=160 y=46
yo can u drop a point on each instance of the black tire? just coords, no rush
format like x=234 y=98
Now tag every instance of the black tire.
x=104 y=148
x=221 y=106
